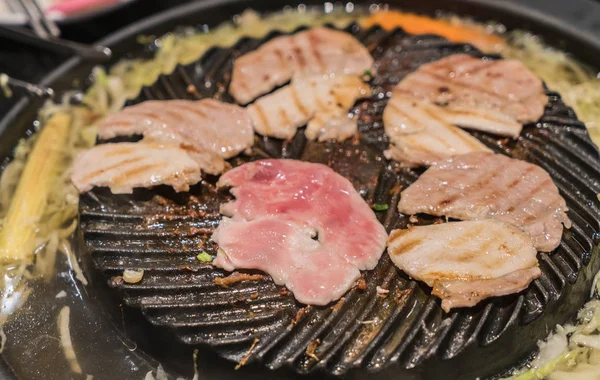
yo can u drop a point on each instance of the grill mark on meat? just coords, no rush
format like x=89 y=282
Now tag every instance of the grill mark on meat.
x=148 y=114
x=213 y=105
x=531 y=193
x=284 y=116
x=190 y=109
x=403 y=114
x=300 y=55
x=262 y=117
x=280 y=57
x=95 y=173
x=460 y=239
x=458 y=84
x=403 y=248
x=298 y=103
x=314 y=42
x=122 y=178
x=119 y=151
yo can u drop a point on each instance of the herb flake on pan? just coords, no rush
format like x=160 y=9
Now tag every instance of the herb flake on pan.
x=204 y=257
x=380 y=207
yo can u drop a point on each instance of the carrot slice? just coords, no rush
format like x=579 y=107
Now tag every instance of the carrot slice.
x=417 y=24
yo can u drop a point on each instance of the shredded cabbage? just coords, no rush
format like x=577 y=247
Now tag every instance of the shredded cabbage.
x=578 y=85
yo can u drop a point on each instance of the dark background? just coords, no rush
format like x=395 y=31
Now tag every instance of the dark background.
x=29 y=64
x=26 y=63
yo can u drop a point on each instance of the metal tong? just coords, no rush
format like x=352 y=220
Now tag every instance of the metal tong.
x=45 y=35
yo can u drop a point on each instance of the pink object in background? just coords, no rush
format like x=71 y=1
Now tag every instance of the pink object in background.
x=70 y=7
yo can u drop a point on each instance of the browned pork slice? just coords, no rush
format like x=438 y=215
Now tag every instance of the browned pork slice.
x=209 y=130
x=300 y=222
x=466 y=262
x=479 y=185
x=321 y=101
x=318 y=50
x=125 y=166
x=495 y=96
x=419 y=135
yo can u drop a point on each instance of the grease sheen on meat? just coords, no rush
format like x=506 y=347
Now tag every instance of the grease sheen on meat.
x=318 y=50
x=124 y=166
x=495 y=96
x=300 y=222
x=466 y=262
x=321 y=101
x=480 y=185
x=209 y=130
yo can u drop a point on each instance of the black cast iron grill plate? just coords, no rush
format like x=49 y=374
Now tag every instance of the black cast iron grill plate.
x=162 y=232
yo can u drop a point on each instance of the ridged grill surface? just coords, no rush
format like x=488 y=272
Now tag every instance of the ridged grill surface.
x=162 y=232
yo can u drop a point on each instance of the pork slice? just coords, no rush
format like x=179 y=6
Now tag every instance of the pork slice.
x=318 y=50
x=125 y=166
x=300 y=222
x=210 y=130
x=321 y=101
x=466 y=262
x=495 y=96
x=481 y=185
x=420 y=135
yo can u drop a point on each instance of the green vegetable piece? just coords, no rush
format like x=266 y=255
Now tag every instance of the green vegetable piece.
x=369 y=73
x=380 y=207
x=204 y=257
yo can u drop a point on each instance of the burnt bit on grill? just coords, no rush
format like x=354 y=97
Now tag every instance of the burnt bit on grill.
x=338 y=305
x=284 y=292
x=199 y=231
x=300 y=314
x=162 y=200
x=395 y=190
x=312 y=347
x=191 y=89
x=400 y=296
x=116 y=281
x=237 y=277
x=252 y=297
x=247 y=356
x=361 y=284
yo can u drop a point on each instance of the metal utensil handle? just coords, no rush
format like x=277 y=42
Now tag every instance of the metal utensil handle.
x=56 y=45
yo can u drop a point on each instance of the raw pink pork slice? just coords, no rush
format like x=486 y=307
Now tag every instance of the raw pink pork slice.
x=300 y=222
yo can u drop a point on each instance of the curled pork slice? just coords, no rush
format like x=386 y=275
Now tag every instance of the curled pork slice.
x=466 y=262
x=495 y=96
x=302 y=223
x=321 y=101
x=483 y=185
x=209 y=130
x=125 y=166
x=318 y=50
x=420 y=135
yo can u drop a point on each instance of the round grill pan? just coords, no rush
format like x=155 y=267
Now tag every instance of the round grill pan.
x=404 y=334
